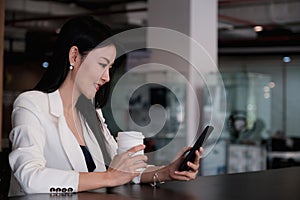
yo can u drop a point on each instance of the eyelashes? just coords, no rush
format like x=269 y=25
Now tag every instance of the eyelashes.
x=103 y=65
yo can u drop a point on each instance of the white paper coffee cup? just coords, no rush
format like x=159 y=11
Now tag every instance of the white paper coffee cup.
x=128 y=139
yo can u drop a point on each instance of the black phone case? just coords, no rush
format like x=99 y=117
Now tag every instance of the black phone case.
x=191 y=155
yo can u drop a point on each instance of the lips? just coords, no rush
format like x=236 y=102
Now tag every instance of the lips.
x=97 y=86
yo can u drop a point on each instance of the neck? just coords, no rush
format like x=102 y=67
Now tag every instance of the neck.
x=68 y=94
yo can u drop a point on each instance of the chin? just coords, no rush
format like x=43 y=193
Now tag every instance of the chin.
x=89 y=96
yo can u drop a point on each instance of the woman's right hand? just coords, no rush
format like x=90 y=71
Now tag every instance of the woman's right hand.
x=124 y=167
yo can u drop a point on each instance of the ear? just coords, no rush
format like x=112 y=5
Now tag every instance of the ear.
x=74 y=56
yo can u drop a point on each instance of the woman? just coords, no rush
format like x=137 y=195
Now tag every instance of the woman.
x=60 y=142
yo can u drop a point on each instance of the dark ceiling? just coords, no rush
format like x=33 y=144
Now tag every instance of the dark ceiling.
x=279 y=19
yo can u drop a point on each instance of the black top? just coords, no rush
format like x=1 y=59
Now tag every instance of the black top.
x=88 y=158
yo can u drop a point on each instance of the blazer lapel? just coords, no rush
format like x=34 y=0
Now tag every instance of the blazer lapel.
x=68 y=141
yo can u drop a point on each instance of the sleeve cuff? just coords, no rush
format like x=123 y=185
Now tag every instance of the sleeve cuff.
x=137 y=180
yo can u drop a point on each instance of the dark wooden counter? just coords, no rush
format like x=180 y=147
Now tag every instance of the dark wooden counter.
x=279 y=184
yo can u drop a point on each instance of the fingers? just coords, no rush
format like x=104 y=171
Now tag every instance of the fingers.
x=194 y=166
x=128 y=164
x=139 y=157
x=201 y=151
x=131 y=160
x=139 y=165
x=185 y=175
x=137 y=148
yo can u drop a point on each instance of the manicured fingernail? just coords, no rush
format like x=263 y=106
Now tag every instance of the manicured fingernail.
x=176 y=172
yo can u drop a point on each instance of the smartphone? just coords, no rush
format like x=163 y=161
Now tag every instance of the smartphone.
x=191 y=154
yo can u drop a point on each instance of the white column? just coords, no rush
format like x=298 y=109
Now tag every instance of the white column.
x=198 y=20
x=203 y=29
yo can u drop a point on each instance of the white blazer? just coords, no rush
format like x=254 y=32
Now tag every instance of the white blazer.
x=45 y=154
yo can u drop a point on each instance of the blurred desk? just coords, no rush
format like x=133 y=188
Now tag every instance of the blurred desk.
x=272 y=184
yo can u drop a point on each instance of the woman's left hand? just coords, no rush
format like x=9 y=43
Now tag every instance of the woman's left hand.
x=173 y=172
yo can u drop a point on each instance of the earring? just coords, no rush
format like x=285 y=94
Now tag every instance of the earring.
x=71 y=67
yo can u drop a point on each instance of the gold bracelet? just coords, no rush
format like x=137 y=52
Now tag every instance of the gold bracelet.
x=155 y=179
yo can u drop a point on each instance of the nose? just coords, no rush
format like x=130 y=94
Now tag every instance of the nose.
x=105 y=76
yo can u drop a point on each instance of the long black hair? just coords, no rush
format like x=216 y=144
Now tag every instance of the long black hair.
x=86 y=33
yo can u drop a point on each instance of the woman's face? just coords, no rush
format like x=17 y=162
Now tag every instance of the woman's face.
x=94 y=70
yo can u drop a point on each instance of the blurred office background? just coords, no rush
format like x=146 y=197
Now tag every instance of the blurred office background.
x=256 y=45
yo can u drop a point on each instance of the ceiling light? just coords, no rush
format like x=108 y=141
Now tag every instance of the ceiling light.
x=258 y=28
x=286 y=59
x=45 y=64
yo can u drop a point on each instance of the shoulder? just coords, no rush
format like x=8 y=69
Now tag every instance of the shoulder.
x=32 y=94
x=31 y=99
